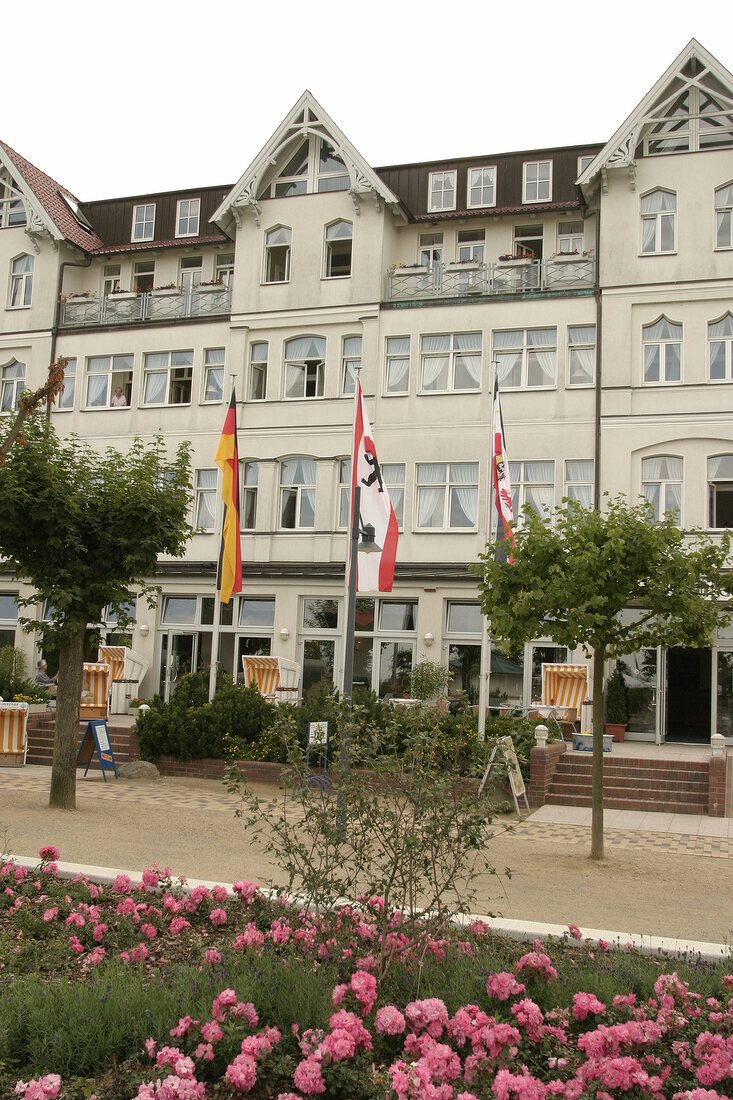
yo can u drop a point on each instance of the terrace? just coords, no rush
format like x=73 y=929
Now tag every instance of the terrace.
x=511 y=276
x=129 y=307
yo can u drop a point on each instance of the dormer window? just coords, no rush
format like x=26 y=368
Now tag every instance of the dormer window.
x=537 y=186
x=442 y=191
x=315 y=167
x=143 y=222
x=187 y=217
x=481 y=187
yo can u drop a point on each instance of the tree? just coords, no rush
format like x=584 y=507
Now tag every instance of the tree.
x=48 y=392
x=83 y=527
x=572 y=580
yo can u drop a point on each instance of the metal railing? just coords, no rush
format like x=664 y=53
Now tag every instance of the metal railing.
x=150 y=305
x=502 y=277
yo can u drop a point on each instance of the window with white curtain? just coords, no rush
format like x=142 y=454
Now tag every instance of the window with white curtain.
x=65 y=400
x=720 y=343
x=344 y=492
x=277 y=254
x=447 y=495
x=659 y=221
x=339 y=237
x=579 y=481
x=442 y=191
x=720 y=490
x=526 y=358
x=662 y=351
x=481 y=187
x=105 y=375
x=393 y=476
x=305 y=361
x=350 y=363
x=533 y=486
x=258 y=371
x=661 y=484
x=724 y=216
x=398 y=364
x=21 y=282
x=168 y=376
x=214 y=359
x=12 y=384
x=298 y=493
x=205 y=502
x=581 y=355
x=250 y=477
x=450 y=362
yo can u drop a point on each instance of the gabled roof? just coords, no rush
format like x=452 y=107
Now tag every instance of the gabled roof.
x=306 y=117
x=50 y=206
x=661 y=106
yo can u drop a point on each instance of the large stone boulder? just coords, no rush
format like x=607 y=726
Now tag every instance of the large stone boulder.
x=138 y=769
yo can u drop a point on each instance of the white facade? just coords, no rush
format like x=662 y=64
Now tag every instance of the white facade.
x=611 y=331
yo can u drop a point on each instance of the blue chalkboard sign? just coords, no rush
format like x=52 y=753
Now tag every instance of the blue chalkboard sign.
x=96 y=739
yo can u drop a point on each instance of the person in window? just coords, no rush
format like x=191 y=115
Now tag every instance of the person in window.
x=118 y=399
x=48 y=683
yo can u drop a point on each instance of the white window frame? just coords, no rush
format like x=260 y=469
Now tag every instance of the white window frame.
x=188 y=214
x=21 y=282
x=724 y=216
x=664 y=347
x=569 y=238
x=526 y=348
x=713 y=480
x=302 y=492
x=258 y=359
x=393 y=476
x=470 y=246
x=394 y=361
x=224 y=269
x=333 y=238
x=314 y=179
x=12 y=385
x=65 y=400
x=343 y=506
x=177 y=373
x=580 y=345
x=351 y=350
x=584 y=160
x=654 y=223
x=725 y=340
x=311 y=371
x=145 y=270
x=119 y=372
x=442 y=190
x=451 y=487
x=579 y=481
x=214 y=369
x=525 y=479
x=286 y=246
x=111 y=279
x=248 y=496
x=476 y=180
x=536 y=182
x=665 y=484
x=139 y=231
x=453 y=354
x=8 y=623
x=205 y=484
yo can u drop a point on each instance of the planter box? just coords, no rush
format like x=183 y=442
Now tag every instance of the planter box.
x=617 y=730
x=583 y=742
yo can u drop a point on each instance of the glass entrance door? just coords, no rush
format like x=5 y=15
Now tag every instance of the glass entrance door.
x=723 y=693
x=645 y=694
x=178 y=655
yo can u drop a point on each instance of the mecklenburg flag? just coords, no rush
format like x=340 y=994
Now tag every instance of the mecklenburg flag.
x=230 y=555
x=374 y=572
x=502 y=484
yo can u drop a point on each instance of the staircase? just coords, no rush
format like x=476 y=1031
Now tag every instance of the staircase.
x=41 y=730
x=674 y=786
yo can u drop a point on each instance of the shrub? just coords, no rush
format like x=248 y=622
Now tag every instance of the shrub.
x=521 y=731
x=13 y=678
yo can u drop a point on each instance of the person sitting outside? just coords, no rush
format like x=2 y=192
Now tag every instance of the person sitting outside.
x=48 y=683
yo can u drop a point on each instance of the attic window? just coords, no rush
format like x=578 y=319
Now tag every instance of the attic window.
x=12 y=210
x=694 y=112
x=73 y=205
x=315 y=167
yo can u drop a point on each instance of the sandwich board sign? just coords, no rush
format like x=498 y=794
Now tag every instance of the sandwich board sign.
x=505 y=746
x=96 y=739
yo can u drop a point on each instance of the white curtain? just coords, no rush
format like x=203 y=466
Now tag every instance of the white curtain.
x=718 y=330
x=582 y=366
x=397 y=375
x=662 y=467
x=298 y=471
x=435 y=372
x=509 y=369
x=658 y=201
x=468 y=372
x=430 y=501
x=97 y=390
x=155 y=388
x=541 y=368
x=720 y=468
x=464 y=478
x=306 y=347
x=294 y=380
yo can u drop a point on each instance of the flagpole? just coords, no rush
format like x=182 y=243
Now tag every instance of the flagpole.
x=485 y=662
x=216 y=626
x=350 y=564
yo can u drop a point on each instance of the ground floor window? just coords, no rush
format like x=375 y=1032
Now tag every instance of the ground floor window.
x=8 y=618
x=464 y=626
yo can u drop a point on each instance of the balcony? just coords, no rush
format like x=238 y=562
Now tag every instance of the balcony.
x=166 y=304
x=469 y=280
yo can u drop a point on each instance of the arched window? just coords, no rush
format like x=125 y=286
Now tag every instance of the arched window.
x=662 y=351
x=338 y=249
x=12 y=384
x=305 y=360
x=21 y=282
x=277 y=254
x=720 y=344
x=720 y=490
x=661 y=484
x=659 y=221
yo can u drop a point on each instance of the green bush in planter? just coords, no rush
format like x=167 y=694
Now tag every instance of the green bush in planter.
x=617 y=711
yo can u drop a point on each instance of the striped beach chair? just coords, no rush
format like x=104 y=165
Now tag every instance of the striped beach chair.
x=564 y=687
x=127 y=669
x=13 y=737
x=274 y=677
x=94 y=691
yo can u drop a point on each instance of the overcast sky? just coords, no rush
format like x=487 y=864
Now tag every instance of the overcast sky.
x=116 y=100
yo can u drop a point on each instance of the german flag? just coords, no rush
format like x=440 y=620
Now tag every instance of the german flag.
x=230 y=555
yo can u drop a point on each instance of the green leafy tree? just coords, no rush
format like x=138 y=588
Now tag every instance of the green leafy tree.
x=83 y=527
x=572 y=580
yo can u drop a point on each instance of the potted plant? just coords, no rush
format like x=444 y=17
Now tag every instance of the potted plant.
x=429 y=682
x=616 y=706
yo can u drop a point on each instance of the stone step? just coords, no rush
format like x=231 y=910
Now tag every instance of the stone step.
x=659 y=786
x=660 y=804
x=632 y=782
x=41 y=735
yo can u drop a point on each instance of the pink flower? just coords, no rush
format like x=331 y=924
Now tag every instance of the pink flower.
x=586 y=1003
x=122 y=885
x=177 y=925
x=503 y=986
x=308 y=1077
x=212 y=957
x=51 y=914
x=389 y=1021
x=537 y=963
x=49 y=852
x=574 y=931
x=42 y=1088
x=242 y=1073
x=218 y=916
x=98 y=933
x=430 y=1015
x=246 y=890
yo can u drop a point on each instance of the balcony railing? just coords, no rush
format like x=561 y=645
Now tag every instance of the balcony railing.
x=502 y=277
x=150 y=305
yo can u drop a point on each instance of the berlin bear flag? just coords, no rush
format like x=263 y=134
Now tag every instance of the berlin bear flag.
x=502 y=484
x=375 y=571
x=227 y=459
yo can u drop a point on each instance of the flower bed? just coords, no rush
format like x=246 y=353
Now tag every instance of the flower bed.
x=151 y=991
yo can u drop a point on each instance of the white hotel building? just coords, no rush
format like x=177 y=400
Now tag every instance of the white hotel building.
x=597 y=280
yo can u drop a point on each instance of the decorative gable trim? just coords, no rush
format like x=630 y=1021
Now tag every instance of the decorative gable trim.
x=620 y=150
x=37 y=220
x=306 y=118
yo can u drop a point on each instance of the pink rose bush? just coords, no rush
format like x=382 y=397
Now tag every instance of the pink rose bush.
x=523 y=1037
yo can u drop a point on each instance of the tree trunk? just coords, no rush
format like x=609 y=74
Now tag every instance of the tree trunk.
x=68 y=696
x=596 y=831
